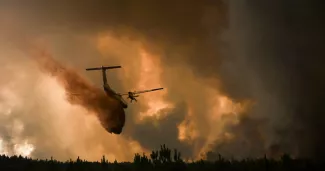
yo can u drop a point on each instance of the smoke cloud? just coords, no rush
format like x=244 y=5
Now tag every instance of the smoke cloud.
x=38 y=119
x=275 y=60
x=241 y=78
x=108 y=110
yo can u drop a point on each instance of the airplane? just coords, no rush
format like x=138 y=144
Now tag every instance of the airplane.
x=118 y=96
x=118 y=120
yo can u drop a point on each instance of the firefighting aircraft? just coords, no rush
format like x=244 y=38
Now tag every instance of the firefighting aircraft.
x=118 y=96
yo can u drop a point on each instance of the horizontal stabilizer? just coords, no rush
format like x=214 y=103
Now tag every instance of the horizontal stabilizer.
x=103 y=68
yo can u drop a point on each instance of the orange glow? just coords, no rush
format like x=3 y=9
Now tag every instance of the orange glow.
x=222 y=106
x=186 y=129
x=41 y=121
x=140 y=71
x=150 y=78
x=68 y=124
x=24 y=149
x=3 y=150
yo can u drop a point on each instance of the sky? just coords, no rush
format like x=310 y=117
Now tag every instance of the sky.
x=240 y=78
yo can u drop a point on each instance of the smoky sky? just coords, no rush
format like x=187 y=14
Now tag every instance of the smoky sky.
x=269 y=52
x=279 y=49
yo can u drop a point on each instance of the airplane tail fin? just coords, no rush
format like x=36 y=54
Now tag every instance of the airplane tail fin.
x=103 y=68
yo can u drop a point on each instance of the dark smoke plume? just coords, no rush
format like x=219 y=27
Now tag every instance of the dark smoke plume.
x=80 y=92
x=276 y=59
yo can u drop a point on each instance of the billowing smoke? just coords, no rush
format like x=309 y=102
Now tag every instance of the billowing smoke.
x=38 y=118
x=276 y=59
x=80 y=92
x=211 y=56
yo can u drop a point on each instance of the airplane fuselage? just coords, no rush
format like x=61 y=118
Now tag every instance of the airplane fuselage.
x=112 y=93
x=117 y=119
x=114 y=123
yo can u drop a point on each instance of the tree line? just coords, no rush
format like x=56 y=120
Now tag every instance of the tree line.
x=159 y=160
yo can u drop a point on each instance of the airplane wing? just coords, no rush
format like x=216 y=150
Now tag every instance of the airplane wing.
x=143 y=91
